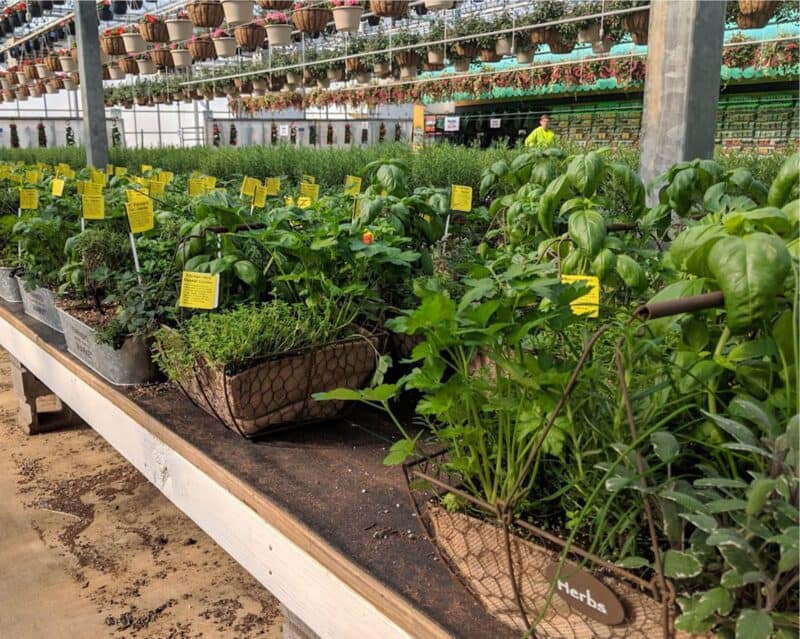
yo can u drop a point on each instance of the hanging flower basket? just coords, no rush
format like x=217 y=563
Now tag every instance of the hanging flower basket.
x=5 y=83
x=207 y=14
x=363 y=77
x=382 y=69
x=182 y=58
x=353 y=65
x=407 y=58
x=153 y=31
x=31 y=73
x=67 y=63
x=237 y=11
x=755 y=14
x=466 y=49
x=115 y=72
x=53 y=63
x=541 y=36
x=590 y=34
x=250 y=36
x=292 y=77
x=22 y=93
x=43 y=71
x=503 y=46
x=490 y=55
x=279 y=35
x=347 y=18
x=335 y=74
x=559 y=45
x=73 y=53
x=112 y=44
x=461 y=65
x=311 y=19
x=179 y=29
x=408 y=72
x=389 y=8
x=134 y=43
x=436 y=55
x=202 y=49
x=35 y=91
x=276 y=5
x=162 y=58
x=146 y=66
x=428 y=66
x=637 y=24
x=438 y=5
x=129 y=66
x=69 y=83
x=225 y=46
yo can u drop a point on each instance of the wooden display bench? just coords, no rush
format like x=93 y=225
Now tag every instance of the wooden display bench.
x=311 y=513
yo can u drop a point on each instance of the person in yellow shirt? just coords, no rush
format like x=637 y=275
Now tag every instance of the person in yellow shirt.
x=541 y=135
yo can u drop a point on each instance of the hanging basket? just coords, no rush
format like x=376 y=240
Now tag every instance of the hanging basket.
x=22 y=93
x=225 y=47
x=207 y=14
x=503 y=46
x=67 y=63
x=279 y=391
x=389 y=8
x=112 y=44
x=146 y=67
x=162 y=58
x=181 y=58
x=292 y=77
x=53 y=63
x=461 y=65
x=353 y=65
x=154 y=31
x=202 y=49
x=637 y=24
x=115 y=72
x=69 y=83
x=134 y=43
x=276 y=5
x=73 y=53
x=311 y=19
x=250 y=36
x=438 y=5
x=436 y=56
x=31 y=73
x=179 y=29
x=490 y=55
x=407 y=58
x=467 y=49
x=382 y=69
x=363 y=77
x=559 y=45
x=541 y=36
x=347 y=18
x=237 y=11
x=279 y=35
x=43 y=71
x=590 y=34
x=755 y=14
x=129 y=66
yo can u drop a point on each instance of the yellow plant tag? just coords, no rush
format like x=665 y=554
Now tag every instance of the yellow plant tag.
x=588 y=304
x=93 y=207
x=309 y=191
x=273 y=185
x=109 y=169
x=199 y=290
x=28 y=199
x=260 y=197
x=119 y=171
x=156 y=188
x=57 y=187
x=356 y=208
x=99 y=178
x=145 y=168
x=32 y=177
x=352 y=185
x=68 y=173
x=167 y=176
x=140 y=215
x=308 y=179
x=81 y=186
x=210 y=182
x=197 y=186
x=132 y=195
x=249 y=185
x=304 y=202
x=92 y=188
x=461 y=198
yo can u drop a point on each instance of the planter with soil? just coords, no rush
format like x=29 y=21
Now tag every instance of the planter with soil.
x=311 y=19
x=128 y=365
x=389 y=8
x=40 y=304
x=206 y=14
x=9 y=285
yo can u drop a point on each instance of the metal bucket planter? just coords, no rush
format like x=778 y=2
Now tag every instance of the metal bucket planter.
x=131 y=364
x=278 y=391
x=40 y=304
x=515 y=570
x=9 y=285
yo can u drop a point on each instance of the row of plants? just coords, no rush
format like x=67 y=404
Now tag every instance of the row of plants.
x=666 y=446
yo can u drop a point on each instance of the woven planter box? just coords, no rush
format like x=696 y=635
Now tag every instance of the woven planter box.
x=53 y=63
x=179 y=29
x=407 y=58
x=276 y=5
x=755 y=14
x=279 y=35
x=278 y=391
x=112 y=45
x=162 y=58
x=202 y=49
x=467 y=49
x=389 y=8
x=128 y=65
x=237 y=11
x=154 y=32
x=225 y=47
x=311 y=19
x=206 y=14
x=250 y=37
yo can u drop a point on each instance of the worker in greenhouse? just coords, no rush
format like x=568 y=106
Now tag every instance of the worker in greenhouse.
x=541 y=135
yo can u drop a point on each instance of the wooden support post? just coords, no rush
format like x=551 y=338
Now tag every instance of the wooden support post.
x=40 y=411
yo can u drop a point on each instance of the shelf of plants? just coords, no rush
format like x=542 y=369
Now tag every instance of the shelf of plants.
x=594 y=401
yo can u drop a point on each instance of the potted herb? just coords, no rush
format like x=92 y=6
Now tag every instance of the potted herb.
x=207 y=14
x=279 y=31
x=180 y=27
x=153 y=28
x=224 y=43
x=237 y=11
x=9 y=259
x=347 y=14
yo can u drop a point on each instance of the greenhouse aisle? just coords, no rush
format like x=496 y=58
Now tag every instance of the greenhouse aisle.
x=104 y=553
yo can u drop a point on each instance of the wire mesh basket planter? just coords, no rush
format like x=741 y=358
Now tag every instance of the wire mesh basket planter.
x=208 y=14
x=311 y=19
x=389 y=8
x=276 y=392
x=202 y=49
x=113 y=44
x=529 y=578
x=154 y=31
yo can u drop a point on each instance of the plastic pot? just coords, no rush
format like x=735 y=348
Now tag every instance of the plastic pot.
x=347 y=18
x=590 y=34
x=134 y=43
x=525 y=57
x=436 y=56
x=67 y=63
x=237 y=11
x=225 y=47
x=179 y=29
x=503 y=46
x=181 y=58
x=146 y=67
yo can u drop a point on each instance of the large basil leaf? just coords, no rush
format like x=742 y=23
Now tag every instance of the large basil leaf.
x=630 y=272
x=751 y=273
x=689 y=252
x=585 y=173
x=784 y=187
x=603 y=265
x=768 y=219
x=682 y=191
x=587 y=229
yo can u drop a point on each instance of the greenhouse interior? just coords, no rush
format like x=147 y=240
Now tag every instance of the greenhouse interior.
x=400 y=318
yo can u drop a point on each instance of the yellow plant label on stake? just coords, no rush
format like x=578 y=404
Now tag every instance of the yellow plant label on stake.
x=99 y=178
x=308 y=179
x=273 y=185
x=197 y=186
x=119 y=171
x=249 y=185
x=199 y=290
x=92 y=188
x=28 y=199
x=32 y=177
x=304 y=202
x=109 y=169
x=132 y=195
x=140 y=215
x=156 y=188
x=260 y=197
x=310 y=191
x=210 y=182
x=356 y=208
x=57 y=187
x=352 y=185
x=167 y=176
x=145 y=168
x=93 y=207
x=461 y=198
x=588 y=304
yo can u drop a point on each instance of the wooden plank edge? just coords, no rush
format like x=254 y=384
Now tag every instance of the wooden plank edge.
x=162 y=455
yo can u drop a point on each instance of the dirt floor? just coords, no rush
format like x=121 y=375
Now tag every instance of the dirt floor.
x=91 y=549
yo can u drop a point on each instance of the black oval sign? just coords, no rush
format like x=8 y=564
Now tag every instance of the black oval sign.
x=586 y=594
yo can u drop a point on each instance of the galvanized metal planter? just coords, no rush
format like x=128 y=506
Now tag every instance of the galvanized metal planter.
x=40 y=304
x=9 y=286
x=127 y=366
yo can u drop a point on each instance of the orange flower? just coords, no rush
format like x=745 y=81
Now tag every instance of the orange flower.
x=367 y=237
